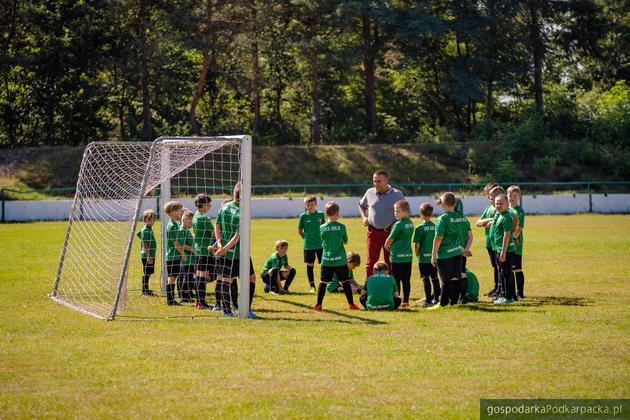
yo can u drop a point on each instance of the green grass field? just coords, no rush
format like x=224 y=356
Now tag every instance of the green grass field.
x=569 y=339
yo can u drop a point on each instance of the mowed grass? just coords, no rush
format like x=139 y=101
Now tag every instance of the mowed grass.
x=569 y=339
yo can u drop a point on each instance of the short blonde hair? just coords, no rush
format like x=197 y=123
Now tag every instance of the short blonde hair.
x=514 y=188
x=331 y=208
x=188 y=213
x=381 y=267
x=353 y=257
x=281 y=243
x=402 y=205
x=494 y=192
x=148 y=215
x=172 y=206
x=489 y=186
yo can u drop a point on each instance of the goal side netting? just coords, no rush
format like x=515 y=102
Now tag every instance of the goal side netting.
x=100 y=270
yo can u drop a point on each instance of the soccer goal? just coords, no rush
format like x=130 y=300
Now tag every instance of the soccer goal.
x=99 y=270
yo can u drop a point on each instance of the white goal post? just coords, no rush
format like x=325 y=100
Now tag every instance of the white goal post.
x=97 y=273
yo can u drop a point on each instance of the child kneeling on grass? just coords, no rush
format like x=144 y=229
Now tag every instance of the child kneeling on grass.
x=276 y=269
x=354 y=260
x=379 y=291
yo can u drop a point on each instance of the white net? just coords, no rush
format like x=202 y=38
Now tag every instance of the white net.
x=99 y=274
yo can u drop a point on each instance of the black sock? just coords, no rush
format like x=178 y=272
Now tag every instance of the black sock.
x=225 y=296
x=363 y=300
x=406 y=283
x=436 y=288
x=347 y=289
x=252 y=288
x=455 y=284
x=397 y=302
x=520 y=282
x=170 y=293
x=446 y=293
x=180 y=285
x=496 y=280
x=311 y=276
x=321 y=291
x=234 y=292
x=217 y=292
x=463 y=288
x=427 y=288
x=201 y=290
x=289 y=280
x=398 y=285
x=145 y=283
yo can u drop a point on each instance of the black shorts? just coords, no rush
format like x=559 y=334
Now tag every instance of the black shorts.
x=266 y=278
x=427 y=270
x=401 y=271
x=517 y=262
x=187 y=270
x=173 y=268
x=450 y=268
x=309 y=255
x=230 y=268
x=463 y=264
x=505 y=267
x=328 y=272
x=206 y=263
x=147 y=268
x=492 y=255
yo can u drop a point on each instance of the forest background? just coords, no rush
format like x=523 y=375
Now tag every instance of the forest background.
x=541 y=83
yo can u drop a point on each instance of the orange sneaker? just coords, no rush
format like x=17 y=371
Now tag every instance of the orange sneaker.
x=353 y=307
x=318 y=307
x=405 y=304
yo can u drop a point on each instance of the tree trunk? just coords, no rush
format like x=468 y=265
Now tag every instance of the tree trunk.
x=538 y=51
x=144 y=76
x=204 y=70
x=368 y=75
x=316 y=130
x=255 y=74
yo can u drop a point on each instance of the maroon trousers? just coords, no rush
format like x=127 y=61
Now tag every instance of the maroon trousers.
x=375 y=242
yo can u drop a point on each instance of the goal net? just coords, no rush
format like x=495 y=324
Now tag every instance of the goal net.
x=100 y=269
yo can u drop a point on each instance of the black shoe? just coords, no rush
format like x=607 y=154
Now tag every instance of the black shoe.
x=491 y=292
x=149 y=293
x=174 y=303
x=520 y=296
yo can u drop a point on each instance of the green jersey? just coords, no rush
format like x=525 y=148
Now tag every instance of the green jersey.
x=521 y=223
x=447 y=227
x=472 y=286
x=146 y=236
x=202 y=226
x=172 y=235
x=229 y=219
x=462 y=229
x=334 y=283
x=424 y=234
x=459 y=208
x=333 y=236
x=400 y=249
x=380 y=288
x=275 y=261
x=186 y=238
x=310 y=224
x=502 y=223
x=488 y=213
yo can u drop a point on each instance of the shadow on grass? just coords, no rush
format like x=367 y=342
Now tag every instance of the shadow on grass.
x=555 y=300
x=347 y=318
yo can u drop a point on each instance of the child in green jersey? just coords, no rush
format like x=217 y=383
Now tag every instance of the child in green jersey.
x=423 y=240
x=276 y=269
x=484 y=219
x=147 y=250
x=229 y=254
x=174 y=251
x=354 y=260
x=399 y=245
x=447 y=251
x=334 y=259
x=465 y=238
x=380 y=291
x=308 y=229
x=514 y=197
x=204 y=247
x=504 y=247
x=187 y=272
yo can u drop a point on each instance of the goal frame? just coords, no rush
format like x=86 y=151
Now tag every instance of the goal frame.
x=244 y=221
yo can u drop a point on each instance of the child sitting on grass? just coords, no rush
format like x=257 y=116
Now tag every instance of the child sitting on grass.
x=380 y=291
x=276 y=269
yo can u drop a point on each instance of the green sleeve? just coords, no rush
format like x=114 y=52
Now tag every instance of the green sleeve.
x=508 y=222
x=301 y=222
x=345 y=234
x=440 y=227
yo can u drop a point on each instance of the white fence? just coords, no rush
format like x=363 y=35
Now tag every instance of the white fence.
x=20 y=211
